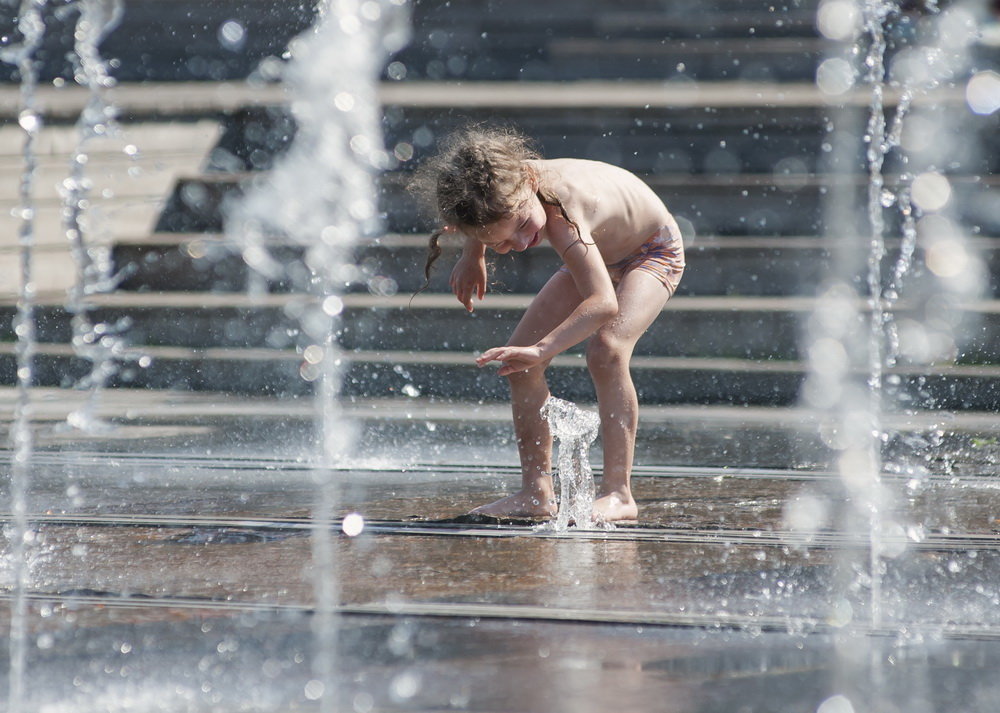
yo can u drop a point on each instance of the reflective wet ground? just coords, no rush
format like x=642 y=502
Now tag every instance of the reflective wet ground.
x=168 y=570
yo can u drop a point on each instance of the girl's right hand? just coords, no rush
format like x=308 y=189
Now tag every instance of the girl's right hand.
x=468 y=278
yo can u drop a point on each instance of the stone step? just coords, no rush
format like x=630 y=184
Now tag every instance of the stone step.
x=704 y=46
x=486 y=42
x=206 y=262
x=159 y=40
x=718 y=19
x=437 y=375
x=739 y=328
x=58 y=275
x=650 y=55
x=739 y=204
x=756 y=138
x=137 y=408
x=56 y=143
x=106 y=179
x=118 y=216
x=181 y=40
x=762 y=267
x=758 y=59
x=624 y=16
x=190 y=100
x=760 y=329
x=645 y=140
x=129 y=177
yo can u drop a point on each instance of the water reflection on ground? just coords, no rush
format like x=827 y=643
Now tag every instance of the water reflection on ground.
x=181 y=577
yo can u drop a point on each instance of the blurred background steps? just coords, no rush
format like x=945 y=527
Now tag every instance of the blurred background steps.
x=761 y=329
x=744 y=168
x=129 y=177
x=717 y=350
x=710 y=327
x=394 y=263
x=183 y=40
x=734 y=204
x=450 y=377
x=175 y=40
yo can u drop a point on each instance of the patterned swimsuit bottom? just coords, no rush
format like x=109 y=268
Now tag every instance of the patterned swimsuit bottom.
x=662 y=256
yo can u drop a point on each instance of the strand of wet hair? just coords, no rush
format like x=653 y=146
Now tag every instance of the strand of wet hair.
x=554 y=200
x=433 y=253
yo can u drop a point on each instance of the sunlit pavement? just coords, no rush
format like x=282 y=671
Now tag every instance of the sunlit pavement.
x=170 y=566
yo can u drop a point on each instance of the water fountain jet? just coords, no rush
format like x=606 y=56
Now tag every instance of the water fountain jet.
x=575 y=429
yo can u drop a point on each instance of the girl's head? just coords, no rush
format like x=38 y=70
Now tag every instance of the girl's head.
x=483 y=183
x=481 y=176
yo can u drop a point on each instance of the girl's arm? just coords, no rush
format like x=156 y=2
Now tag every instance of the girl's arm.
x=468 y=277
x=599 y=304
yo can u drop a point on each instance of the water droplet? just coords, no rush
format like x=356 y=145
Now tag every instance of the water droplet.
x=350 y=24
x=314 y=690
x=313 y=354
x=344 y=101
x=363 y=702
x=29 y=121
x=232 y=35
x=931 y=191
x=835 y=76
x=353 y=524
x=983 y=92
x=403 y=151
x=333 y=305
x=405 y=686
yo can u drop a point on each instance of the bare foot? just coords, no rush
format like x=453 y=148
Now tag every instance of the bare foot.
x=615 y=507
x=521 y=504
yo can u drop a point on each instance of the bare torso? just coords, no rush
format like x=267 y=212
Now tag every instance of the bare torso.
x=617 y=209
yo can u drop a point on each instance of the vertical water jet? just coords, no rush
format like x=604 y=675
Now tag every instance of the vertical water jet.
x=23 y=56
x=321 y=196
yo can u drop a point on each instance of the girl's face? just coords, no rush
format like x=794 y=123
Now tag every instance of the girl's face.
x=519 y=231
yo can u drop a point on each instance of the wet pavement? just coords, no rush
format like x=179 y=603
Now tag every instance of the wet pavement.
x=172 y=565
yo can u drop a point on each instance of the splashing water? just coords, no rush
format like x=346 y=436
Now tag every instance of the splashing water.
x=94 y=342
x=101 y=344
x=838 y=351
x=874 y=17
x=940 y=64
x=322 y=196
x=32 y=29
x=575 y=429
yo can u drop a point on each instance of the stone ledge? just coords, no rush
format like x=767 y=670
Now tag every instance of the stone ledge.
x=198 y=98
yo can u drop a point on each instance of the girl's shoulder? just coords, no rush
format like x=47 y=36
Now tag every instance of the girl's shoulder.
x=574 y=166
x=576 y=174
x=603 y=197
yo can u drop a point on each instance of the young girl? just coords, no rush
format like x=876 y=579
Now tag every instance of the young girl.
x=623 y=257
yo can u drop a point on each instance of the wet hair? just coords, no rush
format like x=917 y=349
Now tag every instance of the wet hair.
x=478 y=177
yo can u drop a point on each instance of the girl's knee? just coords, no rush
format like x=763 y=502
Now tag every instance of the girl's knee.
x=604 y=352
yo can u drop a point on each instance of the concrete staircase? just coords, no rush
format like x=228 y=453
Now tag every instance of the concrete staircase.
x=732 y=141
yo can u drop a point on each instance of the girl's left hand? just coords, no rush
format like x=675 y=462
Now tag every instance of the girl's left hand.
x=513 y=358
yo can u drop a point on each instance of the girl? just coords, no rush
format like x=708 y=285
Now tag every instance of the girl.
x=623 y=258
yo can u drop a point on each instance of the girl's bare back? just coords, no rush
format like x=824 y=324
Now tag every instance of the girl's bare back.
x=615 y=206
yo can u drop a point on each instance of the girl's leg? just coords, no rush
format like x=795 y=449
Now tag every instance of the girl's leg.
x=641 y=297
x=528 y=392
